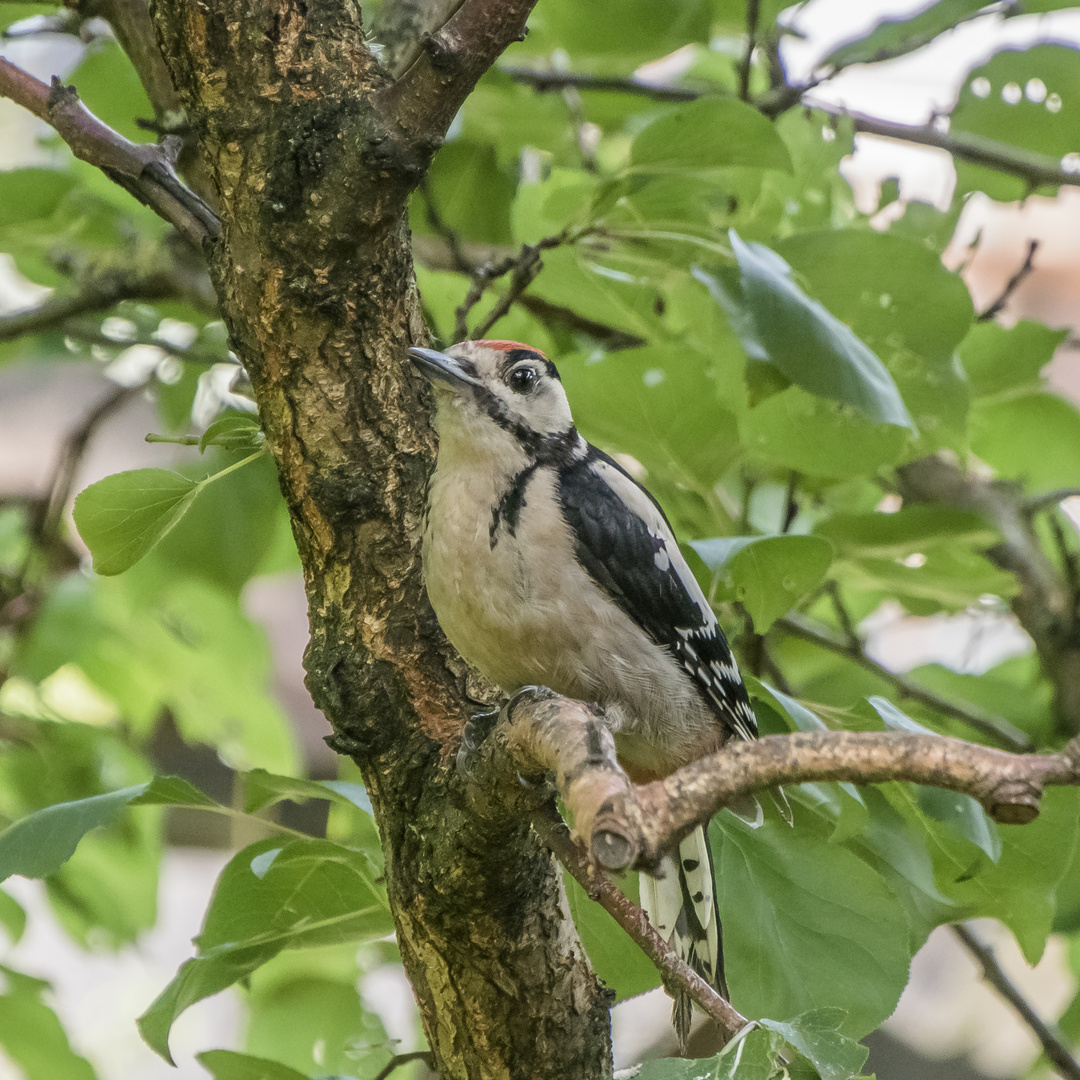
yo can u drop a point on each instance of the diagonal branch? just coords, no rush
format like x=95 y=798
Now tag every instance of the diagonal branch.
x=1044 y=604
x=1052 y=1043
x=146 y=170
x=1011 y=285
x=427 y=97
x=996 y=728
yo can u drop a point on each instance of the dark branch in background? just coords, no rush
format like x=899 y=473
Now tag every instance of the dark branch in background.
x=1011 y=285
x=1043 y=604
x=523 y=268
x=1039 y=170
x=746 y=65
x=404 y=1059
x=1000 y=730
x=106 y=287
x=543 y=81
x=45 y=525
x=1053 y=1044
x=146 y=170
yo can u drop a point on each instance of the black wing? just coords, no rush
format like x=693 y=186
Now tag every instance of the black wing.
x=627 y=545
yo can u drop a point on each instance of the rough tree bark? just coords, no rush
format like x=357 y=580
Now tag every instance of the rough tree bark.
x=314 y=151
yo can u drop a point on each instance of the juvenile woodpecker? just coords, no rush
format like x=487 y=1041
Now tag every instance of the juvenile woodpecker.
x=547 y=563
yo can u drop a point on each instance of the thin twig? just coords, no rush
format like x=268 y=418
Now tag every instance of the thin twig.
x=1038 y=503
x=1011 y=285
x=843 y=616
x=791 y=506
x=45 y=529
x=1052 y=1042
x=146 y=170
x=598 y=887
x=403 y=1059
x=546 y=81
x=753 y=11
x=996 y=728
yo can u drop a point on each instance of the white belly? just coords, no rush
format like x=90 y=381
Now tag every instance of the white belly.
x=525 y=616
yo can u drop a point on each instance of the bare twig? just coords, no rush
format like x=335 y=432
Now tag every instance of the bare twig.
x=1052 y=1043
x=403 y=1059
x=843 y=616
x=146 y=170
x=46 y=527
x=753 y=11
x=996 y=728
x=599 y=888
x=1037 y=503
x=1011 y=285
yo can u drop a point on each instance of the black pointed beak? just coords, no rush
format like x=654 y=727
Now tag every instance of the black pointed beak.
x=441 y=367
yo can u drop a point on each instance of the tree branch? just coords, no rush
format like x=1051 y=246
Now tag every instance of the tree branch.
x=1039 y=170
x=996 y=728
x=1052 y=1043
x=427 y=97
x=631 y=827
x=1043 y=605
x=146 y=170
x=109 y=286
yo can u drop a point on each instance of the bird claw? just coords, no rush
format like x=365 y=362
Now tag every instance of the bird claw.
x=477 y=729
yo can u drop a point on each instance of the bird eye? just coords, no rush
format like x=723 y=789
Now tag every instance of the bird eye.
x=523 y=380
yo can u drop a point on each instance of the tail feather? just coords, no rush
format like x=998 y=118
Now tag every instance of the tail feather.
x=682 y=906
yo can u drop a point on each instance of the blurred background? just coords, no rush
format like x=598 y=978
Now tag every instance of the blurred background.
x=950 y=1023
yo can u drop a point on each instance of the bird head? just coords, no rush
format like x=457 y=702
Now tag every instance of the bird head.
x=512 y=386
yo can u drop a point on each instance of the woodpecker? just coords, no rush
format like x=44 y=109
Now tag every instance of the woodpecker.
x=547 y=563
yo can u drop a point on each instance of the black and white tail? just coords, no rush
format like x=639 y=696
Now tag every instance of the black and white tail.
x=682 y=906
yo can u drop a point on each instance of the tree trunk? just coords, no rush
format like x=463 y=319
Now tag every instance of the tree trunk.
x=314 y=153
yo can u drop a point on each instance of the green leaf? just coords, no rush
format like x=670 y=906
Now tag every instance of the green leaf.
x=781 y=325
x=999 y=359
x=709 y=134
x=111 y=89
x=230 y=1065
x=814 y=436
x=123 y=516
x=172 y=791
x=273 y=895
x=32 y=1036
x=895 y=37
x=262 y=789
x=39 y=844
x=910 y=530
x=32 y=194
x=233 y=431
x=1025 y=99
x=1033 y=438
x=816 y=1035
x=808 y=924
x=768 y=575
x=751 y=1055
x=12 y=917
x=472 y=193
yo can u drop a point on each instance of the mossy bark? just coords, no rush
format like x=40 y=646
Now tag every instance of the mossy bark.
x=314 y=153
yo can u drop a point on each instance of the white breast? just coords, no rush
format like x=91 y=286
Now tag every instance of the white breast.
x=524 y=611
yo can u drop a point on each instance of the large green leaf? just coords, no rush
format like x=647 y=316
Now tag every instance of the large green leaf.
x=1026 y=99
x=123 y=516
x=816 y=1035
x=273 y=895
x=706 y=135
x=910 y=530
x=41 y=843
x=999 y=359
x=1033 y=438
x=768 y=575
x=751 y=1055
x=781 y=325
x=807 y=923
x=32 y=1036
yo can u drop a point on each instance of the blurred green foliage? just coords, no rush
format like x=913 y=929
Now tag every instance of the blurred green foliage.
x=725 y=320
